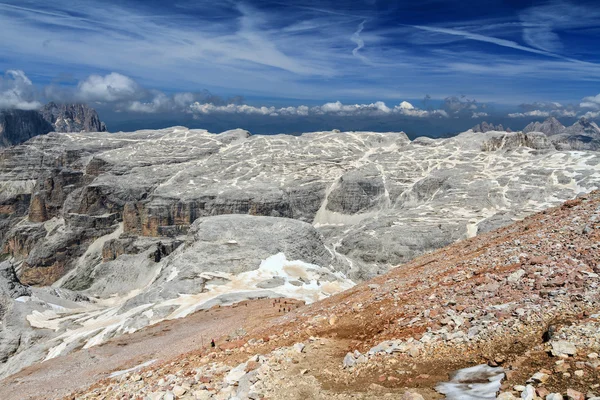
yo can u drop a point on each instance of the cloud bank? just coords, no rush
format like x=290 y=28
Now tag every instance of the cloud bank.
x=123 y=94
x=335 y=108
x=17 y=91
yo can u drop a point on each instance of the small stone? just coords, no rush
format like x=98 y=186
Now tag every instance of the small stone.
x=156 y=395
x=573 y=394
x=299 y=347
x=519 y=388
x=168 y=396
x=579 y=373
x=506 y=396
x=540 y=377
x=413 y=351
x=179 y=391
x=592 y=356
x=516 y=276
x=554 y=396
x=542 y=392
x=202 y=395
x=528 y=393
x=562 y=347
x=411 y=396
x=349 y=361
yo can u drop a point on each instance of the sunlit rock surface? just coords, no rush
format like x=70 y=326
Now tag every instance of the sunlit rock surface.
x=133 y=228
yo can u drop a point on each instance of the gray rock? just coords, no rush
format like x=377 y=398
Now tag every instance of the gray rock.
x=349 y=361
x=528 y=393
x=550 y=126
x=485 y=127
x=10 y=286
x=562 y=347
x=18 y=126
x=582 y=135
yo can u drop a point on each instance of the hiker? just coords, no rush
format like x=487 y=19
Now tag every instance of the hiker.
x=212 y=343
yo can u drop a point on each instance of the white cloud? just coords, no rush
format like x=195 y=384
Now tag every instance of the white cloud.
x=592 y=102
x=479 y=115
x=159 y=103
x=360 y=43
x=592 y=115
x=534 y=113
x=111 y=87
x=17 y=91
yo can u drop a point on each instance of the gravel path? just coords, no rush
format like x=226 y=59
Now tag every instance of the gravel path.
x=60 y=376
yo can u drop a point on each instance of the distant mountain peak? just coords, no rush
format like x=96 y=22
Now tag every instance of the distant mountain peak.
x=486 y=127
x=76 y=117
x=18 y=126
x=551 y=126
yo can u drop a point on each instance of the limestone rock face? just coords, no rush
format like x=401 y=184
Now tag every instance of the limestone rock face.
x=485 y=127
x=160 y=223
x=357 y=190
x=513 y=141
x=377 y=199
x=582 y=135
x=550 y=126
x=10 y=286
x=18 y=126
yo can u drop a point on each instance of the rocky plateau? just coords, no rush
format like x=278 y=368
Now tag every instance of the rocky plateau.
x=105 y=234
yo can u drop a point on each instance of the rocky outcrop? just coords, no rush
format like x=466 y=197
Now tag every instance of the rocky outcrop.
x=515 y=140
x=550 y=126
x=10 y=286
x=485 y=127
x=582 y=135
x=72 y=118
x=378 y=199
x=158 y=224
x=358 y=191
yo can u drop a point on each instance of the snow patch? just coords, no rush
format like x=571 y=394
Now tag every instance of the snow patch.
x=480 y=382
x=137 y=367
x=308 y=285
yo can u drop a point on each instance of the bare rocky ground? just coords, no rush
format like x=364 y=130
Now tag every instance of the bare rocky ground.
x=57 y=377
x=523 y=298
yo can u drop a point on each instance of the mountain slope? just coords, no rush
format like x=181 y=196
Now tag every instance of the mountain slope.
x=525 y=297
x=129 y=228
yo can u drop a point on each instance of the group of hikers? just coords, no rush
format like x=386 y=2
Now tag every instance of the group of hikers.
x=284 y=307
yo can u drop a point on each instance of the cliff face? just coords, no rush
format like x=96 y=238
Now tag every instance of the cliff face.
x=582 y=135
x=18 y=126
x=378 y=199
x=109 y=214
x=72 y=118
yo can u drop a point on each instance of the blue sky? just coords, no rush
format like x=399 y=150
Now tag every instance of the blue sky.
x=308 y=60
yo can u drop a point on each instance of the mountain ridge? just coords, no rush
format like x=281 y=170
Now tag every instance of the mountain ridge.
x=18 y=126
